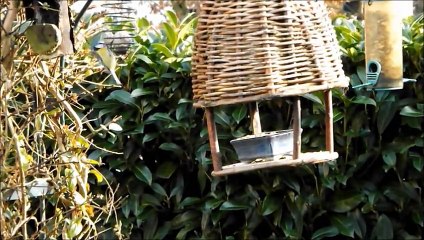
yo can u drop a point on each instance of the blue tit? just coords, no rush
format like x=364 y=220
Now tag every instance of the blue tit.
x=107 y=58
x=44 y=39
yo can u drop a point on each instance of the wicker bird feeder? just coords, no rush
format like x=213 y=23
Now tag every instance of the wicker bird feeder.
x=119 y=33
x=247 y=51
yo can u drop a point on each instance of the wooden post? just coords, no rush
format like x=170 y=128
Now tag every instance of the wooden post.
x=329 y=143
x=255 y=120
x=213 y=140
x=297 y=139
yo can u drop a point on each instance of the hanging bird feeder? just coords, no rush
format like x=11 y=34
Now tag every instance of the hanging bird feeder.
x=383 y=45
x=50 y=34
x=252 y=51
x=119 y=32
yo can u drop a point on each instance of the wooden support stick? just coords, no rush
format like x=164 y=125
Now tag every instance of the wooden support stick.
x=329 y=142
x=297 y=140
x=213 y=140
x=255 y=120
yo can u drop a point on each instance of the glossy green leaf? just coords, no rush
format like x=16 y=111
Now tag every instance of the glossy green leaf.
x=149 y=137
x=187 y=28
x=162 y=49
x=314 y=98
x=359 y=225
x=144 y=58
x=163 y=231
x=121 y=96
x=134 y=203
x=361 y=72
x=389 y=157
x=222 y=118
x=411 y=112
x=142 y=172
x=233 y=205
x=166 y=169
x=344 y=225
x=150 y=227
x=141 y=92
x=325 y=232
x=271 y=204
x=172 y=147
x=385 y=115
x=292 y=183
x=170 y=34
x=158 y=117
x=125 y=208
x=383 y=229
x=149 y=200
x=185 y=218
x=418 y=162
x=364 y=100
x=345 y=202
x=159 y=189
x=239 y=113
x=213 y=203
x=142 y=23
x=190 y=201
x=172 y=18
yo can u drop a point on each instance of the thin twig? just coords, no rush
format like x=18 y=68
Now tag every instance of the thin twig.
x=21 y=173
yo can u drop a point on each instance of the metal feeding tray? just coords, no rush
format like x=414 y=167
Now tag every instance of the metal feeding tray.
x=264 y=145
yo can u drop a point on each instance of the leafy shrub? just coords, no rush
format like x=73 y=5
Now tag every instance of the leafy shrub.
x=163 y=172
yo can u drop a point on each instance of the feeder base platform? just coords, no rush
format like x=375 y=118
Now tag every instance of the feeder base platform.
x=305 y=158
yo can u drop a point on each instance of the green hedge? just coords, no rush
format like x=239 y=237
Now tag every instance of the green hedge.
x=372 y=191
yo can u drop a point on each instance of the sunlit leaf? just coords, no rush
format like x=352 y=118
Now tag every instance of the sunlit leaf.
x=170 y=34
x=162 y=49
x=115 y=127
x=97 y=174
x=144 y=58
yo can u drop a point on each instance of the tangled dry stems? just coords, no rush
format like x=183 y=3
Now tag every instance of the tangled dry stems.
x=41 y=137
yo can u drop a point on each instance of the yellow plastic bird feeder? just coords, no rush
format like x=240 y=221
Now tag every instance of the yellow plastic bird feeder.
x=383 y=45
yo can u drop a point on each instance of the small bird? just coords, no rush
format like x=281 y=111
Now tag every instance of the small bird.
x=44 y=39
x=107 y=58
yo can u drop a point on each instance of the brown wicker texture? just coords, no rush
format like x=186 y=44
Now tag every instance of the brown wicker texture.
x=251 y=50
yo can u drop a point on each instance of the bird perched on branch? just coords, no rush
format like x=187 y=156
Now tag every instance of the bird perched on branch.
x=107 y=58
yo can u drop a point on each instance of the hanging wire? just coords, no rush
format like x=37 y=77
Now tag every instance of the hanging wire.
x=370 y=2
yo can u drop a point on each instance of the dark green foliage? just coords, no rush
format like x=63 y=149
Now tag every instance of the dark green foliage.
x=373 y=191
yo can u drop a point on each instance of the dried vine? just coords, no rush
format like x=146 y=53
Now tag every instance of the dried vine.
x=42 y=139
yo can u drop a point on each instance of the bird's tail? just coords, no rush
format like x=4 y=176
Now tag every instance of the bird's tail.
x=115 y=78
